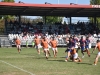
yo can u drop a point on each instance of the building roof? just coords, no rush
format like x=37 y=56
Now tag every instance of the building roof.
x=73 y=10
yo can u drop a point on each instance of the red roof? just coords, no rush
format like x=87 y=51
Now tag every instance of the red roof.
x=46 y=5
x=49 y=9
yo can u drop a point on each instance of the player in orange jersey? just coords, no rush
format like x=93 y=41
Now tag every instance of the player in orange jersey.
x=37 y=44
x=45 y=46
x=53 y=44
x=98 y=55
x=74 y=56
x=18 y=44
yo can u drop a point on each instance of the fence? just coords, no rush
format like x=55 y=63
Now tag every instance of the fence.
x=10 y=43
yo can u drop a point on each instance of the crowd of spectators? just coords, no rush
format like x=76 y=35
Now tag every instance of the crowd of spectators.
x=84 y=28
x=15 y=28
x=58 y=28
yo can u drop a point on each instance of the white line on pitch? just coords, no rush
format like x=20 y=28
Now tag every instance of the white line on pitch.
x=17 y=67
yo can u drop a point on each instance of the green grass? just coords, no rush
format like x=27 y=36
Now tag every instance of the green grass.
x=30 y=61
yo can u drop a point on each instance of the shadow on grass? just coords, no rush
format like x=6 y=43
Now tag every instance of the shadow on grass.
x=55 y=60
x=84 y=63
x=39 y=58
x=29 y=54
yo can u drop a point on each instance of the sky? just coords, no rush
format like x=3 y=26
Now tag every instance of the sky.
x=55 y=1
x=84 y=2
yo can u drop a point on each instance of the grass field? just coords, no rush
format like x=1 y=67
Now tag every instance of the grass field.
x=28 y=62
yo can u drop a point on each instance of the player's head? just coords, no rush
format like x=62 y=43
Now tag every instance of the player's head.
x=82 y=37
x=16 y=37
x=87 y=38
x=44 y=38
x=74 y=36
x=53 y=38
x=70 y=39
x=36 y=36
x=98 y=41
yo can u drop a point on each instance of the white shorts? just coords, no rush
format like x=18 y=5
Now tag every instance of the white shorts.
x=18 y=46
x=46 y=49
x=49 y=46
x=76 y=46
x=98 y=53
x=38 y=46
x=54 y=48
x=75 y=56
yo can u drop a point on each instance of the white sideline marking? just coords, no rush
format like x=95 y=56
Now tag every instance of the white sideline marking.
x=17 y=67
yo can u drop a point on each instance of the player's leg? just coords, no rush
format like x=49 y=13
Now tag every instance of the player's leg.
x=96 y=59
x=38 y=49
x=46 y=53
x=77 y=49
x=26 y=45
x=79 y=59
x=53 y=51
x=68 y=55
x=56 y=51
x=82 y=51
x=88 y=52
x=18 y=47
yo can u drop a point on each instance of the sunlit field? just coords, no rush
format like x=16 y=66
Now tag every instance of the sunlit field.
x=28 y=62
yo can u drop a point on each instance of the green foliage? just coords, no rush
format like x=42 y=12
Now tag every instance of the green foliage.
x=95 y=2
x=0 y=16
x=7 y=0
x=7 y=16
x=52 y=19
x=64 y=22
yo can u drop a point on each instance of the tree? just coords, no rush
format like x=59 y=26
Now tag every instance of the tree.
x=95 y=2
x=6 y=16
x=7 y=1
x=52 y=19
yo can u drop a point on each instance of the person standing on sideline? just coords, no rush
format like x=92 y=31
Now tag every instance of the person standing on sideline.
x=33 y=44
x=26 y=43
x=98 y=55
x=18 y=44
x=53 y=44
x=37 y=44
